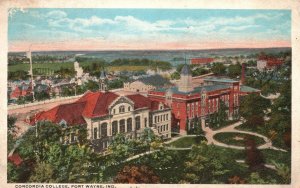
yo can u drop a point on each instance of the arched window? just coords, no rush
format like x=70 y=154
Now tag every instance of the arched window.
x=129 y=124
x=121 y=109
x=122 y=126
x=103 y=128
x=138 y=122
x=114 y=127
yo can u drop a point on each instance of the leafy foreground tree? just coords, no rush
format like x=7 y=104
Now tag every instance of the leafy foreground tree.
x=11 y=131
x=46 y=159
x=254 y=157
x=284 y=172
x=137 y=174
x=253 y=108
x=207 y=164
x=255 y=178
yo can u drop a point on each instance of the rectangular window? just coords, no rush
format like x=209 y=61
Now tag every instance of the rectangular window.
x=145 y=121
x=95 y=133
x=122 y=126
x=114 y=128
x=138 y=122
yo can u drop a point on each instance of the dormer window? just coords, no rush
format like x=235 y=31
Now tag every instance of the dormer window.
x=122 y=109
x=63 y=123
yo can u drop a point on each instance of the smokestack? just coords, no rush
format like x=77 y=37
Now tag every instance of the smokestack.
x=243 y=73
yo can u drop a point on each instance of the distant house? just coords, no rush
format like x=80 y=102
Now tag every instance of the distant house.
x=201 y=61
x=268 y=63
x=146 y=84
x=21 y=91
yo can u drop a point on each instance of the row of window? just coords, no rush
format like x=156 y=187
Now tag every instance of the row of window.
x=162 y=128
x=121 y=125
x=159 y=118
x=122 y=109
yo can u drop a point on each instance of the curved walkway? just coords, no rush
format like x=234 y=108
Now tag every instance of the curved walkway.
x=209 y=134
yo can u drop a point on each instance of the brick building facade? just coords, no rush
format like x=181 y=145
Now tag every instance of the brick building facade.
x=188 y=102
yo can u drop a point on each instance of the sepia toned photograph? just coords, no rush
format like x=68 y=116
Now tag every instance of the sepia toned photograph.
x=149 y=96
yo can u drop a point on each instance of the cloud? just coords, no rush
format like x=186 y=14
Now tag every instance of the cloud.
x=56 y=14
x=238 y=28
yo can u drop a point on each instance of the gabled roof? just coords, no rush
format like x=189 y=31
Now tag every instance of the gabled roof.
x=71 y=113
x=97 y=103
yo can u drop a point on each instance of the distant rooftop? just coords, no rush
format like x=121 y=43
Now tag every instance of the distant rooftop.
x=219 y=79
x=248 y=89
x=155 y=80
x=196 y=89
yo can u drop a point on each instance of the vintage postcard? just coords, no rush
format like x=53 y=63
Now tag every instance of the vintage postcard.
x=172 y=94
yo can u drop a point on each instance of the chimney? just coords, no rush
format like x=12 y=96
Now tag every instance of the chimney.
x=243 y=73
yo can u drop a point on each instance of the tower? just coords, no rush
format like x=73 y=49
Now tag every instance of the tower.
x=185 y=84
x=103 y=81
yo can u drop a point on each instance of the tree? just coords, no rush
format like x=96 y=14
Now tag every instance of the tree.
x=11 y=131
x=136 y=174
x=218 y=68
x=219 y=118
x=206 y=164
x=175 y=76
x=234 y=70
x=252 y=108
x=43 y=173
x=254 y=157
x=255 y=178
x=284 y=172
x=280 y=118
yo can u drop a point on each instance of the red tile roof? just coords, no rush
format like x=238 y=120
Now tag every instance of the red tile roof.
x=197 y=61
x=71 y=113
x=97 y=103
x=141 y=101
x=15 y=159
x=90 y=105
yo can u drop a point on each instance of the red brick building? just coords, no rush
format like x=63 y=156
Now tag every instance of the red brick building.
x=189 y=102
x=201 y=61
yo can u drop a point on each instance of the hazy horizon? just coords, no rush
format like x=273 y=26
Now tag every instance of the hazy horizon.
x=74 y=29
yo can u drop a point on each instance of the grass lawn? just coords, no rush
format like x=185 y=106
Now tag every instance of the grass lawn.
x=277 y=141
x=237 y=139
x=186 y=142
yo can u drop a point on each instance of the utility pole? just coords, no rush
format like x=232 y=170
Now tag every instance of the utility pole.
x=31 y=73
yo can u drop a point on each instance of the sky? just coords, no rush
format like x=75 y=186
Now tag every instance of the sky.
x=146 y=29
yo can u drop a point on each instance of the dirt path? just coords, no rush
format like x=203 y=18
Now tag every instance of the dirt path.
x=209 y=134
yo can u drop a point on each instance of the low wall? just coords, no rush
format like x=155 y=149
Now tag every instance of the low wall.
x=12 y=107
